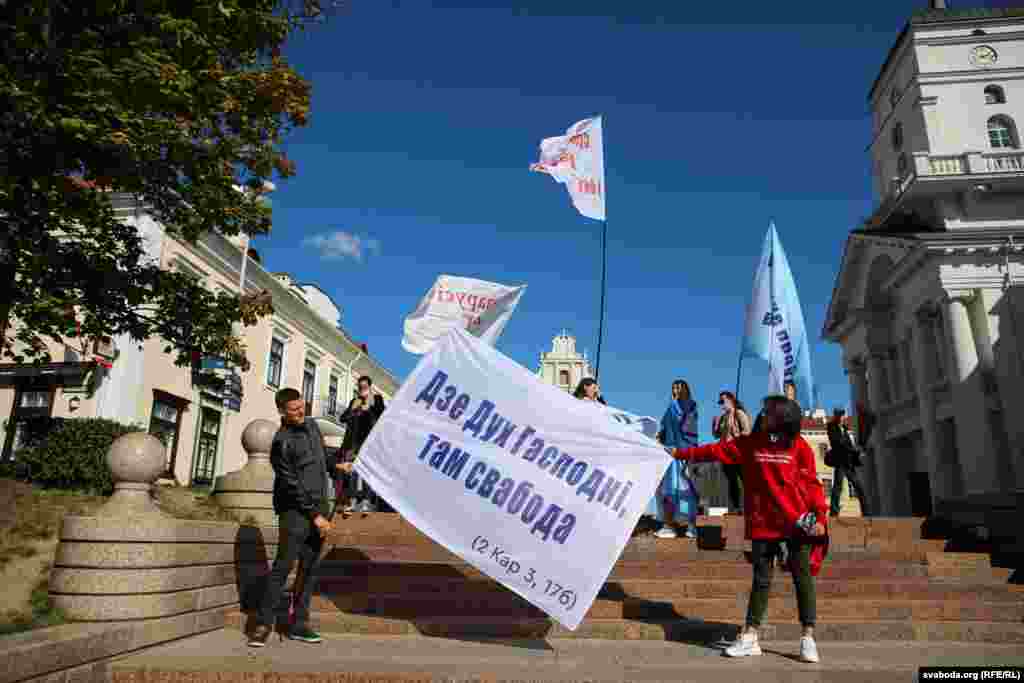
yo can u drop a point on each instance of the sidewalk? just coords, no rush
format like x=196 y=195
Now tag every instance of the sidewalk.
x=223 y=656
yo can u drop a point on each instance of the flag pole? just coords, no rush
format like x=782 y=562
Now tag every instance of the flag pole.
x=604 y=273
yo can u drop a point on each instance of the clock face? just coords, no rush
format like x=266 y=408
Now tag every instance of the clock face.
x=983 y=55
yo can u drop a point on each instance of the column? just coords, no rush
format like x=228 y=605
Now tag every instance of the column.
x=977 y=453
x=925 y=372
x=880 y=452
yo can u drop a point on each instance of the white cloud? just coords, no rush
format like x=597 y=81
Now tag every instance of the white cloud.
x=340 y=245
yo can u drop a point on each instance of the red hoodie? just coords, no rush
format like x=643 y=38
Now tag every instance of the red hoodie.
x=779 y=484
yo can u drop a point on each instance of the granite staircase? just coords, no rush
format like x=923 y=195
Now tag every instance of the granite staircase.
x=882 y=582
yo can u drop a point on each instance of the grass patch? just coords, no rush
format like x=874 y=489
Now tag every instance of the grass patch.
x=195 y=504
x=32 y=515
x=41 y=612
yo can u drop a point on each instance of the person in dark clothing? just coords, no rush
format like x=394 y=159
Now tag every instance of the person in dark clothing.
x=301 y=501
x=845 y=459
x=359 y=418
x=732 y=423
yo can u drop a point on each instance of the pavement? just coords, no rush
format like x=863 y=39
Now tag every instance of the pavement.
x=224 y=656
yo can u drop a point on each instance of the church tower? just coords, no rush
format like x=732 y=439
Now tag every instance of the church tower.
x=563 y=366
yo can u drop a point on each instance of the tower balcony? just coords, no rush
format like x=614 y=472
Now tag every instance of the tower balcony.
x=933 y=175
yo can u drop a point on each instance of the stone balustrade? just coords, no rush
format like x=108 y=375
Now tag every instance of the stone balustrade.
x=131 y=576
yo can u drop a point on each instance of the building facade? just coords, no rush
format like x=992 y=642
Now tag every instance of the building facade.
x=563 y=366
x=200 y=413
x=927 y=304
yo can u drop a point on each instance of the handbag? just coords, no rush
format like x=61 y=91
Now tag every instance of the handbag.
x=830 y=459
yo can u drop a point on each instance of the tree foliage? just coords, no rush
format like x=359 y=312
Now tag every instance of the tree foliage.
x=182 y=106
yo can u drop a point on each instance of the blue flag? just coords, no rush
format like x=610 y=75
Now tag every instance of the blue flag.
x=774 y=329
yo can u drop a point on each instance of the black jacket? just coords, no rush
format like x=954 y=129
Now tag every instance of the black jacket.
x=844 y=453
x=301 y=469
x=359 y=423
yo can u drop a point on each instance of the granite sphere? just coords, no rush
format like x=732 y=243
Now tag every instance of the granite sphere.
x=137 y=458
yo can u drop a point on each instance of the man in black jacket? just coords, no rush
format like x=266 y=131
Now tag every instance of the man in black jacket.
x=301 y=501
x=359 y=418
x=845 y=458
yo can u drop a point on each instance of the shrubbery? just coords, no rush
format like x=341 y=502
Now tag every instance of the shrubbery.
x=71 y=454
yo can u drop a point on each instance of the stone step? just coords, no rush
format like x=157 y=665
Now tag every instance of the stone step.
x=780 y=607
x=655 y=629
x=680 y=588
x=835 y=568
x=222 y=657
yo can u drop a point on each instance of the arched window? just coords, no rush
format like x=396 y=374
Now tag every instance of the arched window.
x=994 y=95
x=897 y=136
x=1002 y=134
x=902 y=166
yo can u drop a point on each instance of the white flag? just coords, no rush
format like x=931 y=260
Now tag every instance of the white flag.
x=481 y=308
x=521 y=480
x=576 y=160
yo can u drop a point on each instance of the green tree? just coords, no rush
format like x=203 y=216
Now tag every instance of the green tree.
x=182 y=105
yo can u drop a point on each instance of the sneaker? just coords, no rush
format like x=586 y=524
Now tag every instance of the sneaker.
x=305 y=634
x=691 y=533
x=259 y=636
x=809 y=650
x=745 y=646
x=365 y=507
x=666 y=532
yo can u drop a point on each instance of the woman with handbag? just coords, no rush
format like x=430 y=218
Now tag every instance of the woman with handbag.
x=785 y=505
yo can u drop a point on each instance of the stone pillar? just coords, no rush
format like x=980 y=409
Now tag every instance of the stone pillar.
x=977 y=453
x=925 y=376
x=135 y=460
x=880 y=452
x=855 y=370
x=249 y=492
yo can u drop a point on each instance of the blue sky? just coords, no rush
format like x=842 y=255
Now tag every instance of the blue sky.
x=718 y=117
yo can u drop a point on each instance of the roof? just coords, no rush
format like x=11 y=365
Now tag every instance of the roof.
x=924 y=17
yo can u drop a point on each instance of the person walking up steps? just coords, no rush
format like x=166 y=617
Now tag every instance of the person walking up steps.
x=784 y=504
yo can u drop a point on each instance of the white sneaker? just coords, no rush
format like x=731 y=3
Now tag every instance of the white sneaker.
x=666 y=532
x=809 y=650
x=745 y=646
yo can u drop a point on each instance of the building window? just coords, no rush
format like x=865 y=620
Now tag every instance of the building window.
x=308 y=385
x=902 y=166
x=563 y=377
x=897 y=136
x=332 y=396
x=206 y=448
x=31 y=404
x=275 y=362
x=165 y=424
x=994 y=95
x=1002 y=133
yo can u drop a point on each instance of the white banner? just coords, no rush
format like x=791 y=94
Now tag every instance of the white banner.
x=537 y=489
x=483 y=308
x=576 y=160
x=647 y=426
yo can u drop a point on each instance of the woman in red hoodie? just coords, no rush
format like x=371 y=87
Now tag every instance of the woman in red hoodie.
x=784 y=502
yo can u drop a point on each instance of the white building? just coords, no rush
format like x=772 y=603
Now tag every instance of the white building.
x=563 y=366
x=927 y=304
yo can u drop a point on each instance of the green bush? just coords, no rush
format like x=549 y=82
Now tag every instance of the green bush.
x=72 y=455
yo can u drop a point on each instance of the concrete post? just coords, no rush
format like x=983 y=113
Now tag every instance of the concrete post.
x=249 y=492
x=136 y=461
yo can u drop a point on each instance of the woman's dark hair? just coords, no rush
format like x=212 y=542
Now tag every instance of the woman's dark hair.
x=735 y=401
x=582 y=386
x=686 y=385
x=789 y=416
